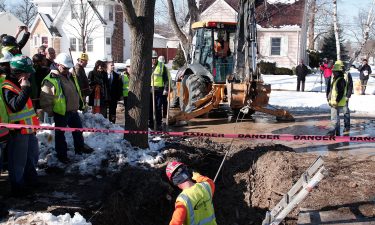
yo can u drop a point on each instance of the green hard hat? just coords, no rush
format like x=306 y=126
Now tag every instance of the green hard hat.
x=339 y=66
x=22 y=63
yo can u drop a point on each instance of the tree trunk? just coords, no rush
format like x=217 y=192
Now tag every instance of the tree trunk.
x=141 y=23
x=311 y=28
x=336 y=30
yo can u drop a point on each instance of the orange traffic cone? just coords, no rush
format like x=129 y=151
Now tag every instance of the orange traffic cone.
x=96 y=108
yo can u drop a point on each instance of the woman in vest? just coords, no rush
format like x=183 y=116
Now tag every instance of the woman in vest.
x=194 y=203
x=23 y=149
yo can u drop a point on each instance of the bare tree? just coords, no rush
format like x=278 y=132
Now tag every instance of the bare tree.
x=26 y=11
x=184 y=37
x=366 y=25
x=311 y=24
x=84 y=20
x=139 y=14
x=2 y=6
x=336 y=30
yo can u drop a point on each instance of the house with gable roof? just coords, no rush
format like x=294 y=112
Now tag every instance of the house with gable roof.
x=282 y=28
x=55 y=26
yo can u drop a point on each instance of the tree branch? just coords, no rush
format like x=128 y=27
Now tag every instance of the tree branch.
x=175 y=26
x=129 y=12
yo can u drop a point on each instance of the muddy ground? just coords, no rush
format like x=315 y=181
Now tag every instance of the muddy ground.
x=252 y=181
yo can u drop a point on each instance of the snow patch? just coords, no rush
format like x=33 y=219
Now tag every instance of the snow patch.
x=111 y=151
x=39 y=218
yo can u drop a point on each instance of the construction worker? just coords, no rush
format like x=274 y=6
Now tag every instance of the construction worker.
x=338 y=93
x=23 y=149
x=159 y=87
x=222 y=51
x=3 y=115
x=10 y=44
x=161 y=59
x=125 y=87
x=194 y=204
x=61 y=97
x=83 y=81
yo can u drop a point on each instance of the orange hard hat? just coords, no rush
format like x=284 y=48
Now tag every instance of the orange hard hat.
x=171 y=168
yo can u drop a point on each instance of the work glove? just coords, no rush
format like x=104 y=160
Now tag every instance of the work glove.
x=195 y=175
x=165 y=92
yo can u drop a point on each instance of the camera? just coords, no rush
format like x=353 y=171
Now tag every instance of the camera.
x=23 y=27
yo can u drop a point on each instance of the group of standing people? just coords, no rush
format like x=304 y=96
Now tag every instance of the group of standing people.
x=32 y=87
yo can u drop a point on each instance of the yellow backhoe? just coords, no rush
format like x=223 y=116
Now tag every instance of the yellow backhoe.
x=223 y=70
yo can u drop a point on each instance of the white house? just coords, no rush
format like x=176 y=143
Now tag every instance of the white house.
x=10 y=25
x=57 y=26
x=282 y=30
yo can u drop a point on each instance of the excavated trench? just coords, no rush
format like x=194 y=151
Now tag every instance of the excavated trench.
x=252 y=180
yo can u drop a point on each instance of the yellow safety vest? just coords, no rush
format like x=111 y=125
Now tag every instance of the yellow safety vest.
x=25 y=116
x=198 y=202
x=334 y=93
x=158 y=75
x=3 y=112
x=125 y=85
x=59 y=102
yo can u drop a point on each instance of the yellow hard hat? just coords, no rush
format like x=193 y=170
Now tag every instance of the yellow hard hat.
x=339 y=66
x=84 y=56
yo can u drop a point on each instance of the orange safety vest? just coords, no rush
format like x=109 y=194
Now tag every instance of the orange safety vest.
x=221 y=50
x=27 y=115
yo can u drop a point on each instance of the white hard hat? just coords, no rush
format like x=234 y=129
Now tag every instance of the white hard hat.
x=6 y=58
x=154 y=54
x=65 y=60
x=127 y=62
x=161 y=59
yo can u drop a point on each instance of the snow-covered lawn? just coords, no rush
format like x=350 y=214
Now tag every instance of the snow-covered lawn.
x=284 y=95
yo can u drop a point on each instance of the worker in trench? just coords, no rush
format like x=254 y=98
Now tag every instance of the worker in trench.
x=194 y=204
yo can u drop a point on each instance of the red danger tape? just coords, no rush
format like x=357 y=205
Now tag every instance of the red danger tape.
x=275 y=137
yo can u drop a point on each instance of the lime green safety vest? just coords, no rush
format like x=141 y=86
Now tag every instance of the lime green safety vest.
x=3 y=112
x=334 y=93
x=125 y=85
x=198 y=202
x=59 y=103
x=158 y=75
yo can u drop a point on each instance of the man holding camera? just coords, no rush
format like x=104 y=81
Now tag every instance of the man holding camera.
x=364 y=74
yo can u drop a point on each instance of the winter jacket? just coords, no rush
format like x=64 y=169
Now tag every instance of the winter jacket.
x=302 y=71
x=70 y=91
x=36 y=84
x=341 y=84
x=101 y=79
x=363 y=70
x=327 y=69
x=16 y=102
x=82 y=80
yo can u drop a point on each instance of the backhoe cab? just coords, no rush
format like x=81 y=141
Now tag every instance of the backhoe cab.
x=223 y=71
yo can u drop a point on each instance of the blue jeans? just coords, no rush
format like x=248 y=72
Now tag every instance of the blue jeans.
x=23 y=155
x=70 y=119
x=335 y=117
x=327 y=82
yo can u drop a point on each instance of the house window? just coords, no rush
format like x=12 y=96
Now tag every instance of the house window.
x=45 y=41
x=73 y=44
x=36 y=41
x=108 y=41
x=110 y=13
x=80 y=46
x=276 y=46
x=90 y=45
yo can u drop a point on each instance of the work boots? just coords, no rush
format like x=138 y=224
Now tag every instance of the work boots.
x=84 y=149
x=346 y=131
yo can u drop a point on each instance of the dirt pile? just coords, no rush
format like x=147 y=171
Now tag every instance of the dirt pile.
x=253 y=180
